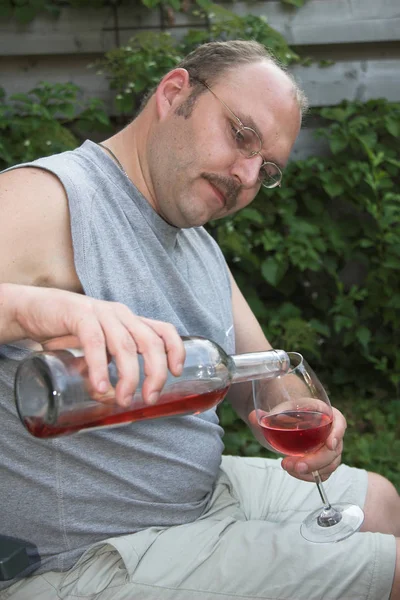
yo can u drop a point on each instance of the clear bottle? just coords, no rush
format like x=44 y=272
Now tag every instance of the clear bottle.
x=53 y=395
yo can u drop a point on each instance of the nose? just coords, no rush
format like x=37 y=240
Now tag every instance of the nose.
x=247 y=170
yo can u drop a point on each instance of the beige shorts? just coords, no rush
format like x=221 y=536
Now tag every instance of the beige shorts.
x=246 y=546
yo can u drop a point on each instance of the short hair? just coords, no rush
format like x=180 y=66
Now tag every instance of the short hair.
x=210 y=61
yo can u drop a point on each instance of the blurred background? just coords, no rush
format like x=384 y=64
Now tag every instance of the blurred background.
x=319 y=258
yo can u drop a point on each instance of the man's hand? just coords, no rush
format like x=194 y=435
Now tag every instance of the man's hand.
x=60 y=319
x=325 y=460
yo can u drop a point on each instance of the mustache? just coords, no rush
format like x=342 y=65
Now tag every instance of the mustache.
x=229 y=188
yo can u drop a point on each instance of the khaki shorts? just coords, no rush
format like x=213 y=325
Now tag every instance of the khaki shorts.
x=246 y=546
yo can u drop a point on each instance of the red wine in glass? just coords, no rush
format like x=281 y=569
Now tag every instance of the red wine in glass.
x=296 y=432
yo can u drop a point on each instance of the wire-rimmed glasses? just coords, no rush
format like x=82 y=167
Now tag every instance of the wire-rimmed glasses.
x=295 y=416
x=249 y=144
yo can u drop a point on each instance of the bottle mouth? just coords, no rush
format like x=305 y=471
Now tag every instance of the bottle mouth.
x=296 y=362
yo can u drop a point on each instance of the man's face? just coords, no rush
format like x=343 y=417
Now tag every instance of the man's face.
x=197 y=173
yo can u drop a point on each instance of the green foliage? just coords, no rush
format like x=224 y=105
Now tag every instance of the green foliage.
x=42 y=122
x=296 y=3
x=319 y=260
x=227 y=25
x=373 y=434
x=24 y=11
x=137 y=67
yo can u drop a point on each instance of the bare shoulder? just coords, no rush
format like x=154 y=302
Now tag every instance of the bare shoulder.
x=35 y=238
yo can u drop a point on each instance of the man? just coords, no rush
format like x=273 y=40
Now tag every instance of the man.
x=103 y=248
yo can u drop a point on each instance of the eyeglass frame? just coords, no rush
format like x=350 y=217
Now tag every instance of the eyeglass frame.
x=243 y=127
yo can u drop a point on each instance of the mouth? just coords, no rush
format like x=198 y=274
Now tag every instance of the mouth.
x=217 y=192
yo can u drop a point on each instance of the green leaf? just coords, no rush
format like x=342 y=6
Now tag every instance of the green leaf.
x=21 y=98
x=391 y=263
x=252 y=214
x=333 y=188
x=364 y=336
x=6 y=9
x=25 y=14
x=338 y=142
x=38 y=5
x=366 y=243
x=320 y=327
x=66 y=109
x=271 y=240
x=297 y=3
x=273 y=271
x=339 y=113
x=392 y=125
x=314 y=204
x=369 y=139
x=150 y=3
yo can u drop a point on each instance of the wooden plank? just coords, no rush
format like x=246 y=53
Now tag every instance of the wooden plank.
x=19 y=74
x=84 y=30
x=354 y=80
x=329 y=22
x=93 y=30
x=70 y=33
x=74 y=31
x=308 y=145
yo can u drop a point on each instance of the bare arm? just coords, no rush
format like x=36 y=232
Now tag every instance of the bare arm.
x=41 y=296
x=250 y=338
x=35 y=239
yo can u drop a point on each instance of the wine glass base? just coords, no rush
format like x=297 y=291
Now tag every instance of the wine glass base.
x=351 y=520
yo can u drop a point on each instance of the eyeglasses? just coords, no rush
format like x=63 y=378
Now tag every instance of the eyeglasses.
x=249 y=144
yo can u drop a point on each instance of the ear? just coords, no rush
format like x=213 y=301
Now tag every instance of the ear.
x=172 y=89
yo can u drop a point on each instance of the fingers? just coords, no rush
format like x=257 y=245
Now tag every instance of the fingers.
x=174 y=347
x=89 y=332
x=108 y=327
x=339 y=426
x=60 y=319
x=162 y=349
x=125 y=342
x=302 y=470
x=325 y=461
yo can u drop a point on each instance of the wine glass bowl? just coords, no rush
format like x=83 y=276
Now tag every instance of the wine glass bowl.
x=295 y=416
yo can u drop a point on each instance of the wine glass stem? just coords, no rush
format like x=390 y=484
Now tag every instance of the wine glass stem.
x=321 y=490
x=329 y=516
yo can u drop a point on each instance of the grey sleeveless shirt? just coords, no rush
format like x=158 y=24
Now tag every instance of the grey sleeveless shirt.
x=65 y=494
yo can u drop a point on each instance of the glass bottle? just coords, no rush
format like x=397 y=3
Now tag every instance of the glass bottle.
x=54 y=398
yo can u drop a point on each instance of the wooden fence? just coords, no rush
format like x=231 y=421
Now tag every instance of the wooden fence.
x=362 y=37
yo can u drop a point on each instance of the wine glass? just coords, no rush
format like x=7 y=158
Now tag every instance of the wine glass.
x=295 y=416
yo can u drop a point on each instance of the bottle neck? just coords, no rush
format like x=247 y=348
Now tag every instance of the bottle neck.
x=259 y=365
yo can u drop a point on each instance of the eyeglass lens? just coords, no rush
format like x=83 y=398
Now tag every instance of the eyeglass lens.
x=249 y=144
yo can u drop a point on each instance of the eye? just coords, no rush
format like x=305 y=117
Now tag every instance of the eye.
x=262 y=175
x=236 y=133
